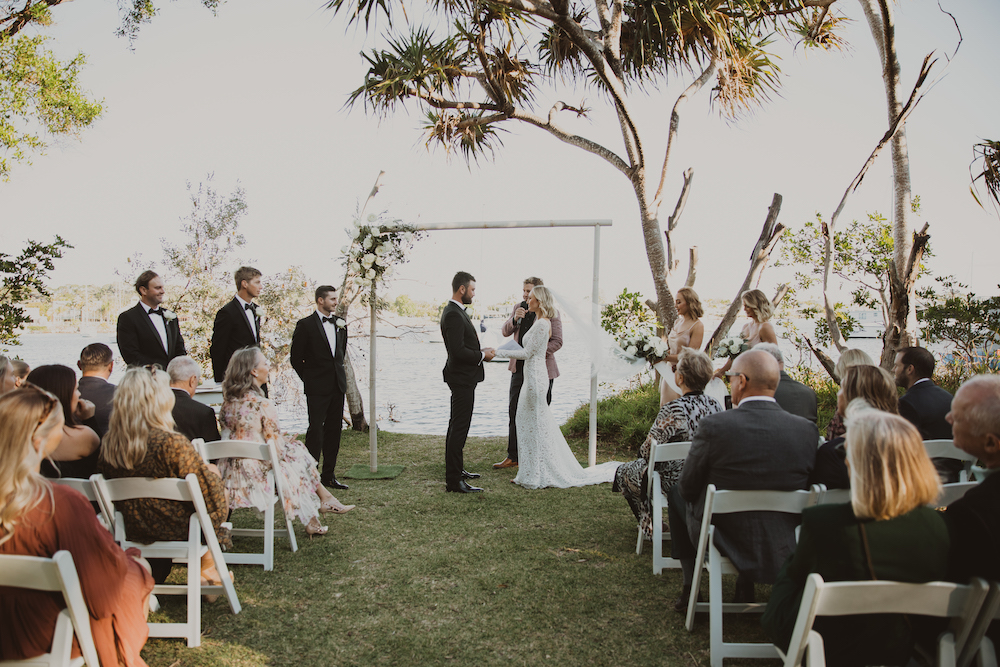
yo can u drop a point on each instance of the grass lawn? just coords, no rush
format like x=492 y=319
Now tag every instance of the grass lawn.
x=417 y=576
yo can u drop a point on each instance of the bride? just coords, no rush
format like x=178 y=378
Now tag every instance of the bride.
x=544 y=457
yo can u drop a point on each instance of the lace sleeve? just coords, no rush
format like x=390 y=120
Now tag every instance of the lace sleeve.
x=533 y=342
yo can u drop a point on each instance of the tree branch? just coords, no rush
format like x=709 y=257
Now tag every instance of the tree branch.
x=573 y=139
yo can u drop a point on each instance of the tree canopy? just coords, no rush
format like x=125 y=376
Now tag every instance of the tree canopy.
x=23 y=276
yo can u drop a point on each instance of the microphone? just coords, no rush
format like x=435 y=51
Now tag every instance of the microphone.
x=523 y=304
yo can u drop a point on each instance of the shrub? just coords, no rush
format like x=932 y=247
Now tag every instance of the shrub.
x=623 y=420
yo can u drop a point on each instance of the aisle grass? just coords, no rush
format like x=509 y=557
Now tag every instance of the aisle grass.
x=417 y=576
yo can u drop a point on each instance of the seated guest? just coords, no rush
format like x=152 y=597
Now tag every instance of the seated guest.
x=925 y=404
x=974 y=521
x=191 y=418
x=792 y=396
x=142 y=442
x=676 y=421
x=248 y=415
x=38 y=519
x=96 y=363
x=886 y=532
x=755 y=446
x=8 y=380
x=77 y=454
x=21 y=370
x=849 y=357
x=875 y=387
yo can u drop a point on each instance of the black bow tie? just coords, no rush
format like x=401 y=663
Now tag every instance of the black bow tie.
x=156 y=311
x=330 y=319
x=250 y=306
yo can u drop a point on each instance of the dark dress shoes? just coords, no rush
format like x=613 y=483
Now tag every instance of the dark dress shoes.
x=334 y=484
x=462 y=487
x=470 y=475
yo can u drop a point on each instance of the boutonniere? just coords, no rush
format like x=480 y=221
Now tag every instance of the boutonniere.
x=260 y=311
x=169 y=315
x=339 y=323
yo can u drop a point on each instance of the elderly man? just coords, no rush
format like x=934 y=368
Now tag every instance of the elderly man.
x=96 y=363
x=792 y=396
x=191 y=418
x=755 y=446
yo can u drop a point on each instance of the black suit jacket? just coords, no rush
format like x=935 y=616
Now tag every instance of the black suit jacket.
x=925 y=406
x=230 y=333
x=465 y=358
x=140 y=343
x=755 y=446
x=193 y=419
x=320 y=370
x=796 y=398
x=100 y=392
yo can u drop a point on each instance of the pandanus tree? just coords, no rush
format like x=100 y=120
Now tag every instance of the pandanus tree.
x=478 y=71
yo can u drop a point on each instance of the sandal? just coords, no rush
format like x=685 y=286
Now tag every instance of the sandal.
x=335 y=507
x=317 y=529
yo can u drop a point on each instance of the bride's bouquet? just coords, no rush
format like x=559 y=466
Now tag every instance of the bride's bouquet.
x=644 y=345
x=731 y=347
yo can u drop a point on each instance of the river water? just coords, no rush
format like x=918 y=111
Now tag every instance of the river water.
x=411 y=394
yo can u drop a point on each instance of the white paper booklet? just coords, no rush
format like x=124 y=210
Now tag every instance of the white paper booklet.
x=511 y=345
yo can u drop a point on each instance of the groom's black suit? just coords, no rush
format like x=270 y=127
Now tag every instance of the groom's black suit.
x=140 y=342
x=462 y=372
x=322 y=373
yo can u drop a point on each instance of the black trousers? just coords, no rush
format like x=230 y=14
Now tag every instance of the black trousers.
x=326 y=420
x=681 y=546
x=463 y=399
x=516 y=382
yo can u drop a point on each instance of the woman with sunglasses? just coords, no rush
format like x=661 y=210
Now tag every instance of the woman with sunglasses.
x=38 y=519
x=141 y=442
x=77 y=454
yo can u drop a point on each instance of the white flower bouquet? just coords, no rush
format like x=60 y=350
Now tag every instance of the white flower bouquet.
x=377 y=246
x=644 y=344
x=731 y=347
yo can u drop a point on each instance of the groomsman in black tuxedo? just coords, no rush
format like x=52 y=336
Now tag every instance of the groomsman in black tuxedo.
x=148 y=333
x=237 y=324
x=319 y=345
x=463 y=371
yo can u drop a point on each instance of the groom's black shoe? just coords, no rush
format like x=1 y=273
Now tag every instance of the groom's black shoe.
x=334 y=484
x=462 y=487
x=470 y=475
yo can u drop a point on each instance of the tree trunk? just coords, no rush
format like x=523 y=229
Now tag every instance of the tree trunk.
x=355 y=403
x=900 y=297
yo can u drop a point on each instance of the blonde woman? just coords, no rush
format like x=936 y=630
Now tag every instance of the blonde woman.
x=8 y=379
x=886 y=532
x=688 y=332
x=141 y=442
x=759 y=329
x=248 y=415
x=544 y=458
x=39 y=519
x=849 y=357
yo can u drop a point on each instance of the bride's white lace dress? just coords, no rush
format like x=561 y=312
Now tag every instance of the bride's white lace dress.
x=544 y=458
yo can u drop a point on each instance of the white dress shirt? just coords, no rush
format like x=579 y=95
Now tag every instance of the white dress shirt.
x=249 y=314
x=159 y=323
x=331 y=332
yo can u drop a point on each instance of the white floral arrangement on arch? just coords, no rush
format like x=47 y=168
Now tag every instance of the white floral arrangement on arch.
x=377 y=246
x=731 y=347
x=644 y=344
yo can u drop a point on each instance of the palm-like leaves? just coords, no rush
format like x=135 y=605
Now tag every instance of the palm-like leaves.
x=469 y=133
x=987 y=154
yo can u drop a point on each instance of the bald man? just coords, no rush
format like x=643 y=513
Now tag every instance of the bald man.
x=757 y=445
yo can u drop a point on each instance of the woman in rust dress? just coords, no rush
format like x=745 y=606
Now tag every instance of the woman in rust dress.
x=141 y=442
x=39 y=519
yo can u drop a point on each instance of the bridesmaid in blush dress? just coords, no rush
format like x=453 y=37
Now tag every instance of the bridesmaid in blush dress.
x=688 y=331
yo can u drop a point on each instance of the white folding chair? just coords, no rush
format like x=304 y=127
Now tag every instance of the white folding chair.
x=189 y=551
x=660 y=453
x=847 y=598
x=241 y=449
x=709 y=557
x=86 y=488
x=946 y=449
x=54 y=574
x=952 y=492
x=978 y=646
x=827 y=496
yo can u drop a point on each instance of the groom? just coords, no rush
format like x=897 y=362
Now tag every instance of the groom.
x=463 y=371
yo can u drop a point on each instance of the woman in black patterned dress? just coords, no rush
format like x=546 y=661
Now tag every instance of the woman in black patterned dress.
x=676 y=421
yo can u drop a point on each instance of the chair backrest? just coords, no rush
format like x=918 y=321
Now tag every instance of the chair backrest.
x=669 y=451
x=54 y=574
x=237 y=449
x=946 y=449
x=847 y=598
x=831 y=496
x=84 y=486
x=952 y=492
x=729 y=501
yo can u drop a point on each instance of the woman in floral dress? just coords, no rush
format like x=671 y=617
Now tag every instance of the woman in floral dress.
x=247 y=415
x=676 y=421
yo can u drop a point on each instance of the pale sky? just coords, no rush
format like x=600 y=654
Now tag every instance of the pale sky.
x=256 y=96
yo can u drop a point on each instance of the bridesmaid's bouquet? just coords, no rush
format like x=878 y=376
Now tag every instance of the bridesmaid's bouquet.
x=731 y=347
x=645 y=345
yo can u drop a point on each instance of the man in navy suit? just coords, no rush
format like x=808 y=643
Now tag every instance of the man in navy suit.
x=463 y=371
x=148 y=333
x=319 y=345
x=237 y=324
x=925 y=404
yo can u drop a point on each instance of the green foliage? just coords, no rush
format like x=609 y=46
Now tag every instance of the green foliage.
x=623 y=420
x=826 y=392
x=23 y=277
x=378 y=244
x=626 y=315
x=971 y=324
x=405 y=306
x=987 y=154
x=39 y=95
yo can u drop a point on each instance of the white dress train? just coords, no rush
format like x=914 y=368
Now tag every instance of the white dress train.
x=544 y=458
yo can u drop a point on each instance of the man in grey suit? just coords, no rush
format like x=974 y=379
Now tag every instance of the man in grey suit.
x=757 y=445
x=792 y=396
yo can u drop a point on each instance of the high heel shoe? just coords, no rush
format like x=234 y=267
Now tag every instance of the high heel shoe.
x=207 y=580
x=334 y=506
x=314 y=530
